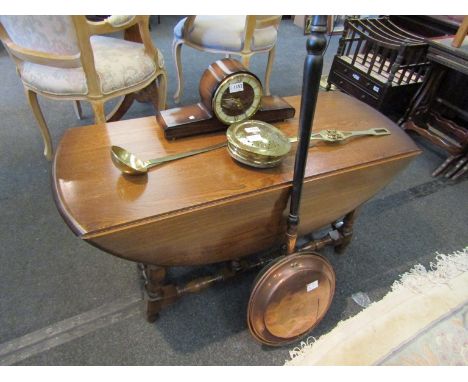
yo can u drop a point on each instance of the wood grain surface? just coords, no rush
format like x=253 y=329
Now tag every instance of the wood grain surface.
x=209 y=208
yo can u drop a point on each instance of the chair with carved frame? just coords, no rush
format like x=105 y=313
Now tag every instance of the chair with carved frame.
x=67 y=58
x=230 y=35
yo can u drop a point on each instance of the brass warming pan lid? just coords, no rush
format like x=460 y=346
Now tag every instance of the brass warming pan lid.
x=245 y=157
x=289 y=298
x=257 y=143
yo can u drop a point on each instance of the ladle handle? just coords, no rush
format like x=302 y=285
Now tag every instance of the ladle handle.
x=170 y=158
x=374 y=131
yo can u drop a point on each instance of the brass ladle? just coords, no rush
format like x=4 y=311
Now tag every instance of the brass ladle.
x=130 y=164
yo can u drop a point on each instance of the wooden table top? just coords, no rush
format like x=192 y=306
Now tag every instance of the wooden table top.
x=93 y=196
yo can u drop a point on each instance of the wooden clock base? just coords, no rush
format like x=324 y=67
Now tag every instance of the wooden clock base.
x=195 y=119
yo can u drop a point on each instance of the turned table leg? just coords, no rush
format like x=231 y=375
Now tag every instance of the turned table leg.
x=154 y=277
x=346 y=229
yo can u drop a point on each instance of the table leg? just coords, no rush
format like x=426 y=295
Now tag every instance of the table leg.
x=155 y=277
x=346 y=229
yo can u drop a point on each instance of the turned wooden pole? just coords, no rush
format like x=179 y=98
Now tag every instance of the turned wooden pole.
x=310 y=87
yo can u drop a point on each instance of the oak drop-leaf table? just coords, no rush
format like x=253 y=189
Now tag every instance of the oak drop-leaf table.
x=208 y=208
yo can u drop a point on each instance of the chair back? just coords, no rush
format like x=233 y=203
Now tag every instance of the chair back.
x=49 y=40
x=47 y=34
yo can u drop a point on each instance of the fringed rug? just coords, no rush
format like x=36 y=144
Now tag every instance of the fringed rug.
x=423 y=320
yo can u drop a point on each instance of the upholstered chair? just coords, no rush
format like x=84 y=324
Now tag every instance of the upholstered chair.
x=231 y=35
x=67 y=58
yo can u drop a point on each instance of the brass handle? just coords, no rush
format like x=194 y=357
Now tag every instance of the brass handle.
x=169 y=158
x=338 y=135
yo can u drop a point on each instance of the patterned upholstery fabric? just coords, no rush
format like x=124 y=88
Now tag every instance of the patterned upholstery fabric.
x=56 y=81
x=119 y=64
x=225 y=33
x=53 y=34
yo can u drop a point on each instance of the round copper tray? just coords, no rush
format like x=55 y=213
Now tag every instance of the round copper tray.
x=290 y=297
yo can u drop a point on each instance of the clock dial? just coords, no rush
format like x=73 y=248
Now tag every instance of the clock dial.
x=237 y=98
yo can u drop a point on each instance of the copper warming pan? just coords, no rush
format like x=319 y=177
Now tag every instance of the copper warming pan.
x=293 y=294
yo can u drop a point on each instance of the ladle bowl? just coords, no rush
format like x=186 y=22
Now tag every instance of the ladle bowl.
x=130 y=164
x=127 y=162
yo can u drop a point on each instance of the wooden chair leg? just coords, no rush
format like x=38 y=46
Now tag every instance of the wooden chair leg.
x=121 y=108
x=245 y=61
x=176 y=52
x=36 y=109
x=98 y=109
x=162 y=91
x=271 y=57
x=461 y=33
x=78 y=110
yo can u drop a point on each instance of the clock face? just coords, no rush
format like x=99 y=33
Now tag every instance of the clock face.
x=237 y=98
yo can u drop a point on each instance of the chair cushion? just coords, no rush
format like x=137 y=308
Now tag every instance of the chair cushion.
x=119 y=64
x=225 y=33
